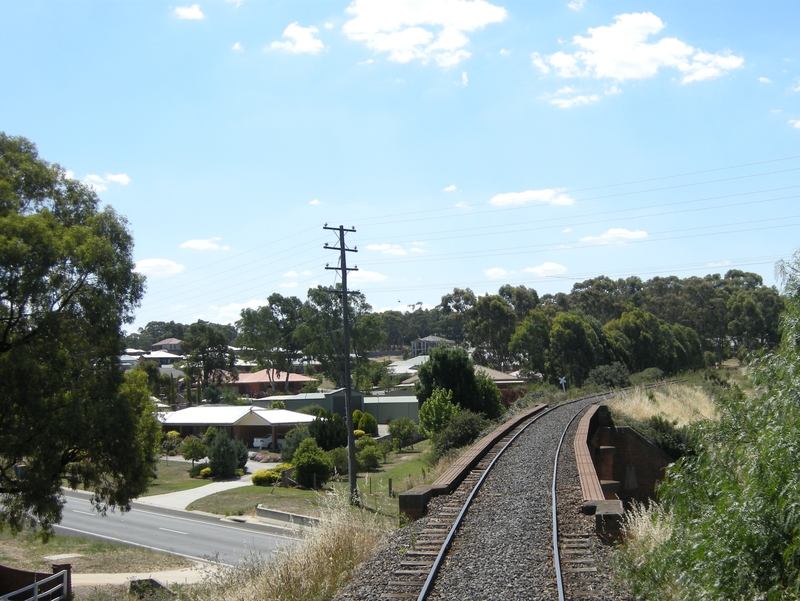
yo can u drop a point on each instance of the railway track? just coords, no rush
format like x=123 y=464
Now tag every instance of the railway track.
x=452 y=557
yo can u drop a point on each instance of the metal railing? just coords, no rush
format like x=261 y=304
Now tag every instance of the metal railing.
x=52 y=588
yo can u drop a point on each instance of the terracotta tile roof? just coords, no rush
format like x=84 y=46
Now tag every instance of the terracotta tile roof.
x=277 y=376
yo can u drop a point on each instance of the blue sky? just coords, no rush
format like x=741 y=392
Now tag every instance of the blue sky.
x=470 y=143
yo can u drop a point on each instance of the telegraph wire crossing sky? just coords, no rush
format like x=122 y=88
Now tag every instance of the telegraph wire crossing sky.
x=469 y=143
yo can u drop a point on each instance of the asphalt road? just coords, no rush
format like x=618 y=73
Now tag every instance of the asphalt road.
x=194 y=536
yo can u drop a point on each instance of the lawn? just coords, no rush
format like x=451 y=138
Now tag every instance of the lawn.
x=173 y=476
x=26 y=552
x=406 y=469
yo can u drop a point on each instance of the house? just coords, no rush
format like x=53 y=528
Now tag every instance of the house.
x=502 y=380
x=172 y=345
x=259 y=383
x=406 y=367
x=422 y=346
x=161 y=357
x=249 y=424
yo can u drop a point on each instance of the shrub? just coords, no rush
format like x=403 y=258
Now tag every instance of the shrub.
x=197 y=468
x=310 y=461
x=329 y=433
x=205 y=472
x=437 y=411
x=338 y=457
x=647 y=376
x=277 y=405
x=369 y=458
x=315 y=410
x=293 y=439
x=265 y=477
x=464 y=429
x=357 y=417
x=368 y=423
x=193 y=449
x=615 y=375
x=223 y=455
x=404 y=432
x=359 y=433
x=171 y=443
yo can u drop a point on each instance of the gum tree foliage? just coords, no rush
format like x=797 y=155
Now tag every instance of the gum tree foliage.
x=451 y=369
x=268 y=335
x=531 y=340
x=67 y=285
x=153 y=332
x=322 y=332
x=207 y=352
x=732 y=509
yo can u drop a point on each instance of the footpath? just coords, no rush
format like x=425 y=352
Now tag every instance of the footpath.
x=174 y=500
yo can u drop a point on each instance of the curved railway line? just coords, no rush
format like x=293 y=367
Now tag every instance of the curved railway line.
x=497 y=535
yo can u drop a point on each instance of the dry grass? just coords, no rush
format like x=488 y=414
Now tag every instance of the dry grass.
x=675 y=402
x=312 y=569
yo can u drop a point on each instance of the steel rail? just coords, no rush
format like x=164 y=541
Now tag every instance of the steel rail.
x=429 y=581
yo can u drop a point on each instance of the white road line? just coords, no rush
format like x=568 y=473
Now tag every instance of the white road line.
x=128 y=542
x=175 y=531
x=84 y=512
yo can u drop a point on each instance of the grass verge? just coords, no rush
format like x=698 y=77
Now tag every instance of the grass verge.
x=173 y=476
x=26 y=552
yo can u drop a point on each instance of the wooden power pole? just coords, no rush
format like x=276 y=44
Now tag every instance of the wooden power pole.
x=348 y=403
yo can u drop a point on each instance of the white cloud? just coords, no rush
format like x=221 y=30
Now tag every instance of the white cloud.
x=764 y=80
x=301 y=39
x=464 y=78
x=718 y=264
x=566 y=230
x=328 y=25
x=620 y=51
x=369 y=61
x=450 y=188
x=464 y=206
x=238 y=3
x=548 y=196
x=237 y=47
x=231 y=312
x=546 y=269
x=794 y=123
x=613 y=91
x=616 y=235
x=577 y=4
x=315 y=202
x=504 y=52
x=119 y=178
x=413 y=30
x=95 y=182
x=362 y=275
x=568 y=97
x=210 y=244
x=776 y=111
x=192 y=12
x=496 y=273
x=288 y=285
x=294 y=274
x=159 y=267
x=796 y=87
x=69 y=174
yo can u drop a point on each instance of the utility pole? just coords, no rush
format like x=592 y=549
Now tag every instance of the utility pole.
x=348 y=403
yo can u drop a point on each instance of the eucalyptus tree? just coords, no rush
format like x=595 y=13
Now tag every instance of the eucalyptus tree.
x=67 y=285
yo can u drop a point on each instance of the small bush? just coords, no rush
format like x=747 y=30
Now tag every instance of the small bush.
x=464 y=429
x=224 y=455
x=197 y=468
x=266 y=477
x=648 y=376
x=369 y=458
x=338 y=457
x=293 y=439
x=368 y=423
x=359 y=433
x=357 y=417
x=404 y=432
x=310 y=461
x=615 y=375
x=205 y=472
x=437 y=412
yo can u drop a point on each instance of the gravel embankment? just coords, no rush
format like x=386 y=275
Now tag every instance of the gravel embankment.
x=503 y=549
